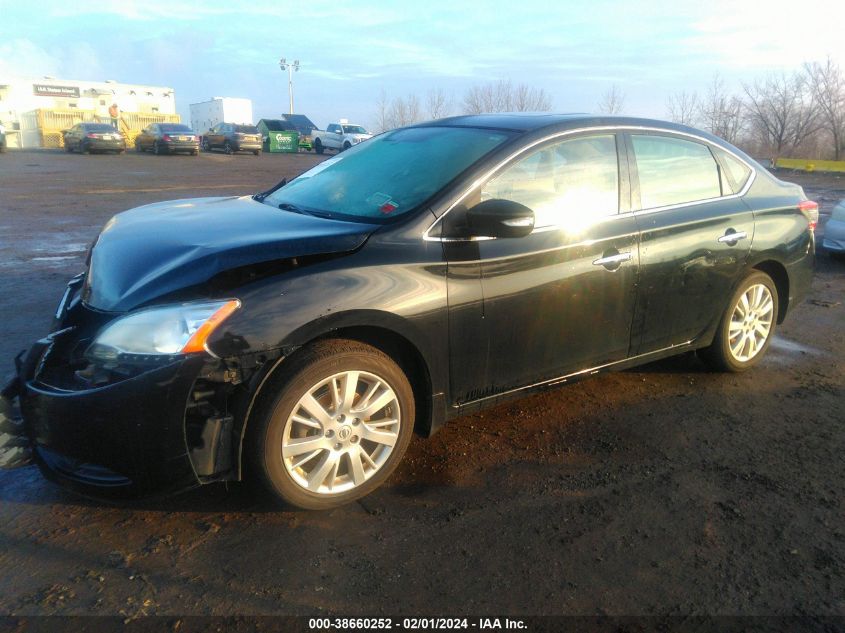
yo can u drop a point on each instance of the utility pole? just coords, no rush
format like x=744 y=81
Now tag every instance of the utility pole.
x=290 y=67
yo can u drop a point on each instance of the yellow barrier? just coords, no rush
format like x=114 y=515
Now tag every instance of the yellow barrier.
x=809 y=164
x=52 y=122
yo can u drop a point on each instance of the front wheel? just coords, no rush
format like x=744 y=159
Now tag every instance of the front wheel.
x=747 y=326
x=228 y=148
x=346 y=146
x=333 y=426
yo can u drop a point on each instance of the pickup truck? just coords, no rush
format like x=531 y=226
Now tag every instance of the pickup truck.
x=338 y=136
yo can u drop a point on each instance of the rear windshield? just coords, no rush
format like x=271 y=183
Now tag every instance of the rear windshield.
x=389 y=175
x=246 y=129
x=99 y=127
x=175 y=128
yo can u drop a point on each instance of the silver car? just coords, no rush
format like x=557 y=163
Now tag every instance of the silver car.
x=834 y=230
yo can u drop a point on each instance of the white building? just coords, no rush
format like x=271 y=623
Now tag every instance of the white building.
x=34 y=110
x=207 y=114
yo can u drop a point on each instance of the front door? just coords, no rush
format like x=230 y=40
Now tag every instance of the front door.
x=560 y=300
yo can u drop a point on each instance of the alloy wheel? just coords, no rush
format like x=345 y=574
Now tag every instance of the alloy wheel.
x=751 y=323
x=341 y=432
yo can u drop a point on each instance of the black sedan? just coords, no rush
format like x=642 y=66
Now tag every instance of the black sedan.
x=93 y=137
x=168 y=138
x=301 y=335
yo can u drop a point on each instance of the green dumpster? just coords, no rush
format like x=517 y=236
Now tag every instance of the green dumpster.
x=284 y=142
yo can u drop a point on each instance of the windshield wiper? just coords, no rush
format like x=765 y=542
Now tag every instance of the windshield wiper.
x=287 y=206
x=259 y=197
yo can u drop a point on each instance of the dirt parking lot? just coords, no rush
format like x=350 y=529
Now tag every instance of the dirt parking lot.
x=664 y=490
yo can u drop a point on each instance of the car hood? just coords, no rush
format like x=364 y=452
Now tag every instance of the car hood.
x=150 y=251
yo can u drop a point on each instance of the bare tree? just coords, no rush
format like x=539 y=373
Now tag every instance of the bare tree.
x=612 y=101
x=780 y=112
x=382 y=113
x=683 y=108
x=438 y=103
x=827 y=84
x=720 y=112
x=530 y=99
x=501 y=96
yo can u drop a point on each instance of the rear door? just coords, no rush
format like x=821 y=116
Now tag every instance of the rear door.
x=695 y=237
x=561 y=299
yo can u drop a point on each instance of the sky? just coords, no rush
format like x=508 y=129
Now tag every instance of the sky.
x=352 y=52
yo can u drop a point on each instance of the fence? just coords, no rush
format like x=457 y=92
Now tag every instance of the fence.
x=52 y=122
x=808 y=164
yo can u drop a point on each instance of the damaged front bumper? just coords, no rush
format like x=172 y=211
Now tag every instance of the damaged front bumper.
x=158 y=430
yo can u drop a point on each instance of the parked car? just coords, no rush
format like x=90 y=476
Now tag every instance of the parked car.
x=834 y=231
x=168 y=138
x=93 y=137
x=233 y=137
x=300 y=335
x=338 y=136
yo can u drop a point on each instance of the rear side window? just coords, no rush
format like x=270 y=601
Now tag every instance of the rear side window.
x=674 y=171
x=738 y=172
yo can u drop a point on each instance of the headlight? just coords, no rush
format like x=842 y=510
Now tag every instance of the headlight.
x=160 y=331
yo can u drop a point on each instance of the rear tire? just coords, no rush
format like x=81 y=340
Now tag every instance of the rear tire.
x=318 y=146
x=352 y=405
x=157 y=149
x=257 y=152
x=747 y=326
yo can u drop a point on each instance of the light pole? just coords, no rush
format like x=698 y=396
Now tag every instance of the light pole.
x=290 y=67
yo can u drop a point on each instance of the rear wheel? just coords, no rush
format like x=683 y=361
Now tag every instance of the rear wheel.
x=138 y=147
x=333 y=426
x=205 y=146
x=257 y=152
x=83 y=148
x=157 y=150
x=318 y=146
x=747 y=326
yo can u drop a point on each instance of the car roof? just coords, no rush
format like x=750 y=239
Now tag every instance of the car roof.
x=530 y=121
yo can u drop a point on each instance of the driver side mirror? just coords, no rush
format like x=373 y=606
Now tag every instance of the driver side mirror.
x=500 y=218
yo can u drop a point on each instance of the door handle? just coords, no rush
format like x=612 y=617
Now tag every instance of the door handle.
x=731 y=237
x=610 y=260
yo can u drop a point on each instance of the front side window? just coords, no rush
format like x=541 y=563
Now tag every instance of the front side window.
x=389 y=176
x=674 y=171
x=568 y=183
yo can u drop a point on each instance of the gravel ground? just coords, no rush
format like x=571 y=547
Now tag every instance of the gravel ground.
x=664 y=490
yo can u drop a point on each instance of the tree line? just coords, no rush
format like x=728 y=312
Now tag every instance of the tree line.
x=798 y=114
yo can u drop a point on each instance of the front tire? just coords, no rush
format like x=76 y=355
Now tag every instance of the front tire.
x=228 y=148
x=747 y=326
x=333 y=425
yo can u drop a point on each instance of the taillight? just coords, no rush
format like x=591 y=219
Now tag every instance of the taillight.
x=810 y=210
x=165 y=137
x=92 y=135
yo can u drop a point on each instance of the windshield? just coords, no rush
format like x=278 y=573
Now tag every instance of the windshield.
x=175 y=128
x=246 y=129
x=388 y=175
x=354 y=129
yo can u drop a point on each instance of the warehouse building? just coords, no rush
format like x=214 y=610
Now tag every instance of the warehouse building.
x=34 y=111
x=207 y=114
